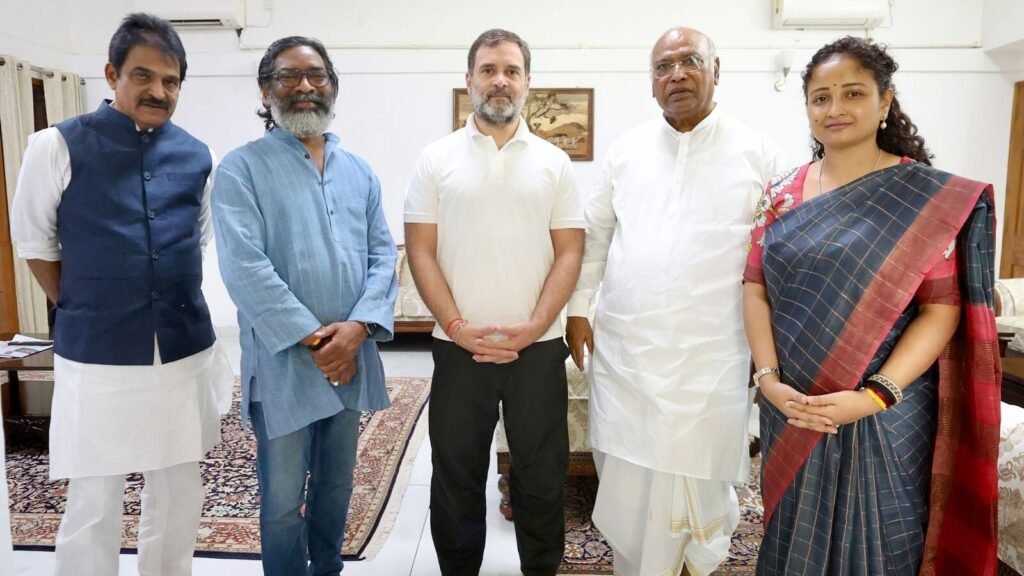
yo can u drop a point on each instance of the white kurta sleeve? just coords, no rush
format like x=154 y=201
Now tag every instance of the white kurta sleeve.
x=601 y=219
x=205 y=219
x=45 y=174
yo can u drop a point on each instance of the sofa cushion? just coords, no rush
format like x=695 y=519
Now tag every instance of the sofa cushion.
x=409 y=305
x=1011 y=487
x=1010 y=292
x=578 y=412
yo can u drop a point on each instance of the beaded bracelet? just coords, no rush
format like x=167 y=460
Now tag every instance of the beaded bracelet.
x=887 y=387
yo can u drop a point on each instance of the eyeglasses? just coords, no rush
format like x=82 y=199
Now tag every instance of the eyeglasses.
x=691 y=63
x=291 y=77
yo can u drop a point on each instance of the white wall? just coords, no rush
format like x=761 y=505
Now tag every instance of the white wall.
x=399 y=61
x=1002 y=24
x=37 y=32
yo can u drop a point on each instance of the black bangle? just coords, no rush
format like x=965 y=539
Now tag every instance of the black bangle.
x=884 y=393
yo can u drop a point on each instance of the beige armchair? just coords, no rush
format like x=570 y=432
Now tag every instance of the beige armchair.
x=1009 y=301
x=411 y=313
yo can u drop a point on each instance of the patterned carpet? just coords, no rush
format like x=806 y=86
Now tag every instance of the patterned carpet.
x=388 y=443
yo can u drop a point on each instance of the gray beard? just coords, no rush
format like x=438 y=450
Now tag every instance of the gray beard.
x=495 y=114
x=302 y=123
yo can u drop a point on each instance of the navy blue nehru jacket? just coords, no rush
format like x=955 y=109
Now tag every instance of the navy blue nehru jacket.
x=128 y=225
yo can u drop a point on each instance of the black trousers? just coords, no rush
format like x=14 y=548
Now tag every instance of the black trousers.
x=463 y=412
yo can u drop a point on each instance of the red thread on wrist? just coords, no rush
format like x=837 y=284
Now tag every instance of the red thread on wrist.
x=451 y=325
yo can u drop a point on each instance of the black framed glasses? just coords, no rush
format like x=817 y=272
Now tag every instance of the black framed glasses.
x=292 y=77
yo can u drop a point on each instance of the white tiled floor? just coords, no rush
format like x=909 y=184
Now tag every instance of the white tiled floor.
x=408 y=551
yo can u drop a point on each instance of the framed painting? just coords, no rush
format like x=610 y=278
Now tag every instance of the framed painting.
x=562 y=116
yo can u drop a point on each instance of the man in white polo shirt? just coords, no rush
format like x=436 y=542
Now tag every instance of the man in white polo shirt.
x=494 y=234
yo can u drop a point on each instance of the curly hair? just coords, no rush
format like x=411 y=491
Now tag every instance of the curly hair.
x=900 y=136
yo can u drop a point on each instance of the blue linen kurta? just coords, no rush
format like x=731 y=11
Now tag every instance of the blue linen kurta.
x=298 y=250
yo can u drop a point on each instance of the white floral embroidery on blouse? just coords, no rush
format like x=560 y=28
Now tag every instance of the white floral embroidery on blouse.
x=767 y=204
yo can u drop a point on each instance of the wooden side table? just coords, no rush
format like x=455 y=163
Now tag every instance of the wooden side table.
x=14 y=420
x=1013 y=381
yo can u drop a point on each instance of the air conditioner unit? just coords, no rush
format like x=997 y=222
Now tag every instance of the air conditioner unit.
x=842 y=14
x=197 y=14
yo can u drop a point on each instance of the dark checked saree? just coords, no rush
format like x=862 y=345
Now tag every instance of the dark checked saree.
x=912 y=490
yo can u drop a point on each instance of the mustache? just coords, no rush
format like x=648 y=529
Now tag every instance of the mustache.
x=154 y=102
x=499 y=92
x=317 y=99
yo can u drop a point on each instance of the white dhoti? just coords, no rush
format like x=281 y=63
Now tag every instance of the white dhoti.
x=667 y=229
x=656 y=522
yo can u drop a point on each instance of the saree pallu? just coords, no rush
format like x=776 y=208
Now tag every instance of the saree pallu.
x=912 y=490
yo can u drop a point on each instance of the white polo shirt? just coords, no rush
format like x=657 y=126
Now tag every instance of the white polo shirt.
x=494 y=211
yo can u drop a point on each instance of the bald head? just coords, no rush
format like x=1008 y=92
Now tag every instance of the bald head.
x=675 y=35
x=684 y=73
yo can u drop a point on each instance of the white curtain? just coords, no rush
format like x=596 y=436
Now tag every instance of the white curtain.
x=63 y=95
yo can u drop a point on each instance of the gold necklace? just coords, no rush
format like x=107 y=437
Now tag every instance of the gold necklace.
x=822 y=168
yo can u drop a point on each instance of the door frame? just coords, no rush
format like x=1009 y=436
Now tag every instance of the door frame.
x=1013 y=219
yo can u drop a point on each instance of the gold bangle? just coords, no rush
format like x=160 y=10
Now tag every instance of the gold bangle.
x=876 y=398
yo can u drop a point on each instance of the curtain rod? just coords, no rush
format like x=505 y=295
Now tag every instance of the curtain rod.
x=40 y=71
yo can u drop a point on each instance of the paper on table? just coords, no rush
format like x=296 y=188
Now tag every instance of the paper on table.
x=25 y=346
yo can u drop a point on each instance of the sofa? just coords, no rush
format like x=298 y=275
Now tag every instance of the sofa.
x=411 y=313
x=581 y=461
x=1009 y=297
x=1011 y=489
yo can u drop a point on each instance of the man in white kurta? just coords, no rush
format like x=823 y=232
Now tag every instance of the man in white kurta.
x=111 y=212
x=667 y=229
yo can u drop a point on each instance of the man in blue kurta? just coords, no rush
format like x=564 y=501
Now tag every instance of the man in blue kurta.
x=307 y=257
x=111 y=214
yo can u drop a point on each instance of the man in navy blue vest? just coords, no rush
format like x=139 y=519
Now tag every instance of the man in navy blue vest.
x=111 y=213
x=306 y=254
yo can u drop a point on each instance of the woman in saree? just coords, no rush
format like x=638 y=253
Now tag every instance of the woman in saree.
x=868 y=309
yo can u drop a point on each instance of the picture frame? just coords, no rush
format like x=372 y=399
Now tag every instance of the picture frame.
x=562 y=116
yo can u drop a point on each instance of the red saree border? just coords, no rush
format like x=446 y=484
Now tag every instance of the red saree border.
x=884 y=300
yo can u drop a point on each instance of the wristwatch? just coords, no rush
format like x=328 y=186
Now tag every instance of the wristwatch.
x=370 y=328
x=764 y=372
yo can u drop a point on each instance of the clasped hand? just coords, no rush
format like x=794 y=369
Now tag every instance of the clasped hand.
x=822 y=413
x=337 y=359
x=498 y=344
